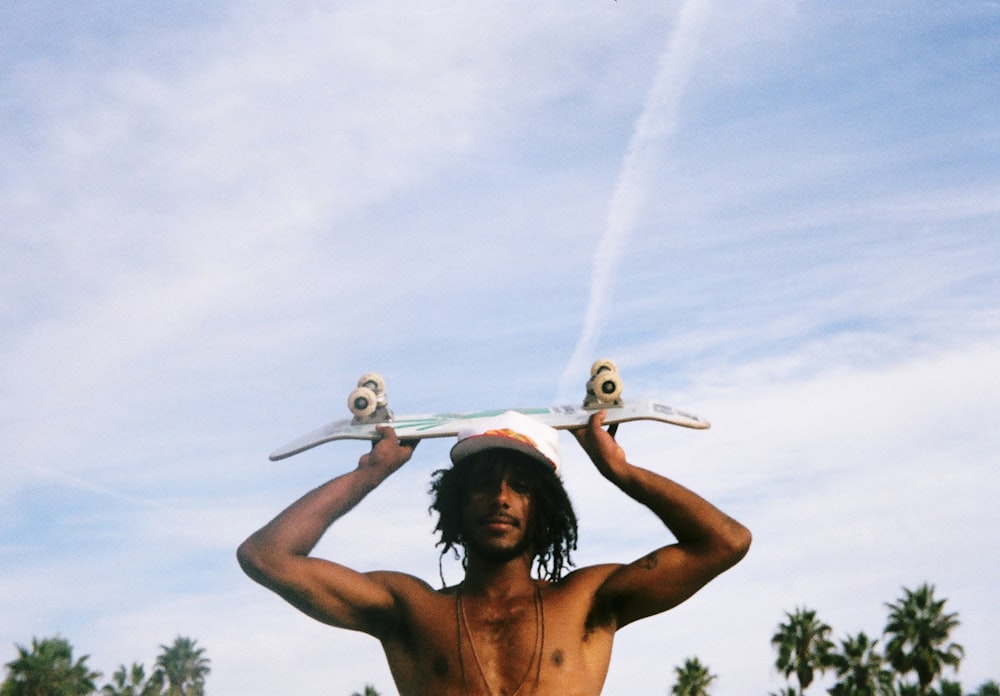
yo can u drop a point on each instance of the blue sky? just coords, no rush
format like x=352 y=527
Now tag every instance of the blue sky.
x=782 y=216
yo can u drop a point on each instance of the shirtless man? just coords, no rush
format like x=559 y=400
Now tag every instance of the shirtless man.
x=502 y=630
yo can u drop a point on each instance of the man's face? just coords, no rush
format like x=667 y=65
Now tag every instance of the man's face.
x=497 y=515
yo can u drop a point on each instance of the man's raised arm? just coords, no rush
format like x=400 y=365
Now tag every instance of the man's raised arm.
x=708 y=541
x=277 y=555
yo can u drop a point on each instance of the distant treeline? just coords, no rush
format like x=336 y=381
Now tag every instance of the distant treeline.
x=48 y=668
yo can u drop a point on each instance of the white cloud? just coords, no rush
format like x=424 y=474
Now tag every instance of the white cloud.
x=211 y=225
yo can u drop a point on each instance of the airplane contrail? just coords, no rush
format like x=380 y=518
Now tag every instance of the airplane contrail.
x=656 y=122
x=85 y=485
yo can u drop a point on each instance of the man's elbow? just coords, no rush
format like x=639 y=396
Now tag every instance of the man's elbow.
x=737 y=541
x=252 y=557
x=728 y=545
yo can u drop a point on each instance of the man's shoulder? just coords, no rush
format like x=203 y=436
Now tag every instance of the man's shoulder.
x=409 y=587
x=395 y=578
x=592 y=577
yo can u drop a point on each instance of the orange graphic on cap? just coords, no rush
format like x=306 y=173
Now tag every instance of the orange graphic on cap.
x=512 y=435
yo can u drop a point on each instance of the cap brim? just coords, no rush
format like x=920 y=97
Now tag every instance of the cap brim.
x=479 y=443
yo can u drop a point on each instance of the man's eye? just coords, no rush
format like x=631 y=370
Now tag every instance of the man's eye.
x=482 y=484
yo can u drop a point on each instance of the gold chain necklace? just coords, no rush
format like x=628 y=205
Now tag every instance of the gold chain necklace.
x=536 y=651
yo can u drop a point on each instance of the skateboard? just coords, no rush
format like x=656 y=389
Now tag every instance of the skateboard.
x=369 y=405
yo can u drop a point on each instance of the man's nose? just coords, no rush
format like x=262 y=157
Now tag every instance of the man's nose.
x=502 y=493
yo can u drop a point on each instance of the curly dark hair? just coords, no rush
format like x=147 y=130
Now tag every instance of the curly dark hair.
x=554 y=532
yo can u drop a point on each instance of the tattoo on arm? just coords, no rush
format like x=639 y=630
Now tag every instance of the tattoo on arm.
x=651 y=561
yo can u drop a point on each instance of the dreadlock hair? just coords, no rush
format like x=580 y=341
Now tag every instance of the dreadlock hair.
x=554 y=531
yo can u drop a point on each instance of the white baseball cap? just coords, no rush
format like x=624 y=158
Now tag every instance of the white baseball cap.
x=510 y=430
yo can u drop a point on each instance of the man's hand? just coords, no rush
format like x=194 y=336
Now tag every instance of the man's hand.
x=388 y=452
x=601 y=447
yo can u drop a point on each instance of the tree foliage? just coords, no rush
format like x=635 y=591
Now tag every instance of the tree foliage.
x=919 y=634
x=693 y=679
x=803 y=646
x=860 y=669
x=184 y=668
x=917 y=639
x=48 y=669
x=989 y=688
x=132 y=681
x=369 y=691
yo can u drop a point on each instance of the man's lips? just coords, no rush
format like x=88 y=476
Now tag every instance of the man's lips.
x=500 y=521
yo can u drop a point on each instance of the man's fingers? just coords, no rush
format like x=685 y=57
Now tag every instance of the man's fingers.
x=383 y=432
x=597 y=422
x=585 y=433
x=387 y=433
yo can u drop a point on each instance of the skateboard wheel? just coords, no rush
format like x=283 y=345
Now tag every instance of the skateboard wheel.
x=603 y=365
x=373 y=381
x=362 y=402
x=606 y=386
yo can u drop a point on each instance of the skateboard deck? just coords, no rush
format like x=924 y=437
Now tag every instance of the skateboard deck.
x=431 y=425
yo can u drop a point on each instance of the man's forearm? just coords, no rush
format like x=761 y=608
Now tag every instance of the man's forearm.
x=689 y=517
x=697 y=524
x=299 y=527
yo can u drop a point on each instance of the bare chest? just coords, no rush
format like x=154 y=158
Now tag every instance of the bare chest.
x=537 y=644
x=499 y=635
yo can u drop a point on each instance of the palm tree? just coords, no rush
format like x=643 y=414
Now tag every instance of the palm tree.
x=369 y=691
x=132 y=682
x=184 y=668
x=947 y=688
x=692 y=679
x=48 y=669
x=918 y=631
x=989 y=688
x=803 y=646
x=860 y=669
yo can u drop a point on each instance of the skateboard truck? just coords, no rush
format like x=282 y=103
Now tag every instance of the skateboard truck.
x=368 y=401
x=370 y=408
x=604 y=388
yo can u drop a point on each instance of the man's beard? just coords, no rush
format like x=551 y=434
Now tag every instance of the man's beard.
x=495 y=554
